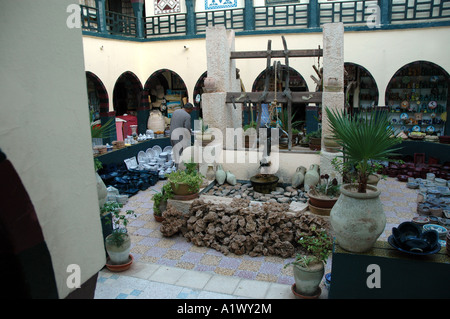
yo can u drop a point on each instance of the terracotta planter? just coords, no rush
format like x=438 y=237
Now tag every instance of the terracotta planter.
x=322 y=202
x=158 y=218
x=357 y=219
x=300 y=296
x=182 y=189
x=122 y=267
x=315 y=143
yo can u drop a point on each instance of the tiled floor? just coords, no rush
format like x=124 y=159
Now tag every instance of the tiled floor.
x=172 y=268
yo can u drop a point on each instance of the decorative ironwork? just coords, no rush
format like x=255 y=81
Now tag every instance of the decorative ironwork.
x=411 y=11
x=231 y=19
x=281 y=16
x=174 y=24
x=121 y=24
x=347 y=12
x=89 y=18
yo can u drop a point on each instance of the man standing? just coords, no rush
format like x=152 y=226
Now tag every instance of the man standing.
x=180 y=130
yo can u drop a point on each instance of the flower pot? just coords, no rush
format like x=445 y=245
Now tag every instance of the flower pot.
x=307 y=279
x=357 y=219
x=182 y=189
x=118 y=255
x=158 y=218
x=315 y=143
x=322 y=201
x=122 y=267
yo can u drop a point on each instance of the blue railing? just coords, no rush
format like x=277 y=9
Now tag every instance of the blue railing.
x=295 y=17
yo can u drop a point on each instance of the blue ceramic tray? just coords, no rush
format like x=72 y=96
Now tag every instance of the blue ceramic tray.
x=393 y=243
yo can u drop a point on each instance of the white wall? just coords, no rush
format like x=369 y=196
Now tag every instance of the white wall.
x=382 y=53
x=44 y=130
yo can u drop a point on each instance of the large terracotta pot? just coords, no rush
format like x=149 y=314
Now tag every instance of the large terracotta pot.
x=322 y=202
x=357 y=219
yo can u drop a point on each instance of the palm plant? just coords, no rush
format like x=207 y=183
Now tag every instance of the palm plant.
x=364 y=139
x=284 y=118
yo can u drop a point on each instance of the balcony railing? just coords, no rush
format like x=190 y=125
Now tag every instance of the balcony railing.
x=294 y=17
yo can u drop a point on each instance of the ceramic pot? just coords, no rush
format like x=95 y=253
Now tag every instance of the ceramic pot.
x=307 y=279
x=315 y=143
x=118 y=255
x=312 y=177
x=373 y=179
x=298 y=177
x=357 y=219
x=220 y=175
x=102 y=191
x=231 y=179
x=322 y=202
x=210 y=174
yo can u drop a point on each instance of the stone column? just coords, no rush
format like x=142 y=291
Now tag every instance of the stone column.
x=333 y=85
x=221 y=79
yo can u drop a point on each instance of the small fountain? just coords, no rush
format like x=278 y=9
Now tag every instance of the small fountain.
x=265 y=183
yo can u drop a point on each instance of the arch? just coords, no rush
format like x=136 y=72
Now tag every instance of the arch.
x=297 y=83
x=127 y=94
x=360 y=87
x=97 y=95
x=162 y=90
x=198 y=91
x=420 y=89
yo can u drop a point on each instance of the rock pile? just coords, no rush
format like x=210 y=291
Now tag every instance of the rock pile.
x=241 y=228
x=245 y=191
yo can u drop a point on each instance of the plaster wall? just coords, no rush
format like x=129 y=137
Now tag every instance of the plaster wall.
x=44 y=130
x=382 y=53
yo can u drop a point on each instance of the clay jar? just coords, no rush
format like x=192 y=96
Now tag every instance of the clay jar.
x=312 y=177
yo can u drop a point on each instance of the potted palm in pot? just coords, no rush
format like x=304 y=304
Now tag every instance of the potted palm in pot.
x=309 y=267
x=118 y=243
x=358 y=218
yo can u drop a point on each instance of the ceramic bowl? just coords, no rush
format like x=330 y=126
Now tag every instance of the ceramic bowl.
x=421 y=220
x=441 y=230
x=405 y=232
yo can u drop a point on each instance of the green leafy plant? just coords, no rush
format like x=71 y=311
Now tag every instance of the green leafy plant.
x=120 y=221
x=318 y=247
x=284 y=118
x=107 y=130
x=191 y=178
x=97 y=164
x=365 y=140
x=313 y=134
x=158 y=198
x=252 y=124
x=327 y=186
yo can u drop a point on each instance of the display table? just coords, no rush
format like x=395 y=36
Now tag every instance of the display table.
x=440 y=151
x=400 y=275
x=118 y=156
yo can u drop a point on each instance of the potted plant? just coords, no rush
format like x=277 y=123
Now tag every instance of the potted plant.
x=118 y=243
x=186 y=182
x=284 y=119
x=309 y=266
x=314 y=140
x=160 y=201
x=323 y=196
x=363 y=140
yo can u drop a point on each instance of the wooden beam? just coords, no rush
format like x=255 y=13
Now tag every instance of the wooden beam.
x=254 y=97
x=276 y=54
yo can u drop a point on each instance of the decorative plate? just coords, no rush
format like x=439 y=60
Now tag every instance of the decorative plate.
x=157 y=150
x=150 y=153
x=167 y=149
x=430 y=129
x=403 y=116
x=416 y=128
x=404 y=104
x=432 y=105
x=142 y=157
